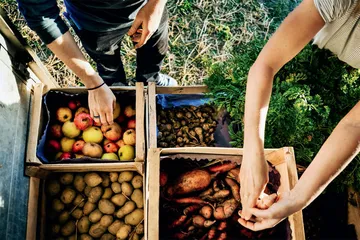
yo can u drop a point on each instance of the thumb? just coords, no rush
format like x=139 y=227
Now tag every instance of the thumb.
x=135 y=26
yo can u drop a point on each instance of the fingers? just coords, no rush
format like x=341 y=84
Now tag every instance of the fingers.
x=110 y=116
x=136 y=37
x=254 y=226
x=135 y=26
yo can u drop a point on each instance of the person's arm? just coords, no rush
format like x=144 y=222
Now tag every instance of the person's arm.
x=336 y=153
x=294 y=33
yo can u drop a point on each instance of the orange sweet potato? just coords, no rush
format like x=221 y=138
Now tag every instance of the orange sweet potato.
x=192 y=181
x=235 y=189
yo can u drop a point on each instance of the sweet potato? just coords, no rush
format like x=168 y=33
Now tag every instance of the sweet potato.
x=235 y=174
x=206 y=212
x=207 y=192
x=219 y=213
x=198 y=221
x=235 y=188
x=190 y=200
x=222 y=236
x=216 y=184
x=221 y=194
x=190 y=209
x=192 y=181
x=222 y=167
x=222 y=226
x=229 y=207
x=178 y=221
x=209 y=223
x=212 y=233
x=163 y=178
x=92 y=179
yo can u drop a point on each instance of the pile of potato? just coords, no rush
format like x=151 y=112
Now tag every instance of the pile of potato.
x=96 y=205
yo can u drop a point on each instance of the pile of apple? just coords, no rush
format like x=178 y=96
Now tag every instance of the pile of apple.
x=76 y=135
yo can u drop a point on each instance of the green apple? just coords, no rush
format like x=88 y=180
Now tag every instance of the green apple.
x=70 y=130
x=67 y=144
x=126 y=153
x=92 y=134
x=110 y=156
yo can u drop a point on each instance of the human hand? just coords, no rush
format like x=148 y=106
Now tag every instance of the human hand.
x=253 y=177
x=148 y=18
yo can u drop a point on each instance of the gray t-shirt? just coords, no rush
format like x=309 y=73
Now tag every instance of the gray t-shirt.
x=341 y=33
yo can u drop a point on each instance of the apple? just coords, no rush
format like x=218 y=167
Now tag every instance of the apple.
x=83 y=121
x=112 y=132
x=126 y=153
x=78 y=146
x=120 y=143
x=93 y=150
x=66 y=144
x=120 y=119
x=106 y=141
x=129 y=137
x=81 y=110
x=65 y=155
x=92 y=134
x=97 y=124
x=73 y=104
x=79 y=156
x=55 y=131
x=129 y=111
x=57 y=156
x=111 y=147
x=63 y=114
x=110 y=156
x=131 y=124
x=116 y=111
x=53 y=146
x=70 y=130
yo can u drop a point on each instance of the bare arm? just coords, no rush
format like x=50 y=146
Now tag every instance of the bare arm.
x=294 y=33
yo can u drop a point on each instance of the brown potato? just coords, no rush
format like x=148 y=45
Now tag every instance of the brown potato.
x=115 y=226
x=72 y=237
x=96 y=230
x=106 y=220
x=55 y=228
x=135 y=237
x=79 y=201
x=126 y=209
x=139 y=229
x=107 y=193
x=125 y=176
x=118 y=200
x=88 y=208
x=135 y=217
x=95 y=194
x=53 y=187
x=107 y=236
x=83 y=224
x=123 y=232
x=68 y=195
x=85 y=237
x=113 y=176
x=77 y=213
x=68 y=228
x=92 y=179
x=66 y=178
x=87 y=190
x=116 y=187
x=106 y=180
x=137 y=181
x=57 y=205
x=126 y=189
x=79 y=182
x=137 y=197
x=106 y=207
x=64 y=217
x=95 y=216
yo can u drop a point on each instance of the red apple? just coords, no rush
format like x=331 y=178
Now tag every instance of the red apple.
x=131 y=124
x=111 y=147
x=129 y=137
x=78 y=146
x=106 y=141
x=112 y=132
x=53 y=146
x=120 y=143
x=81 y=110
x=97 y=124
x=55 y=131
x=83 y=121
x=129 y=111
x=73 y=104
x=63 y=114
x=120 y=119
x=65 y=155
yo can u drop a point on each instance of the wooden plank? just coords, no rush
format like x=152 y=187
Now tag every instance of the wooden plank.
x=152 y=115
x=140 y=121
x=34 y=184
x=354 y=210
x=182 y=90
x=210 y=150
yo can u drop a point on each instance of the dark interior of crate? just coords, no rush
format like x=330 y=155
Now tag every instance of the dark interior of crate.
x=170 y=211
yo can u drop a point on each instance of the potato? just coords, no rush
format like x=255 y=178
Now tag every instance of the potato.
x=106 y=220
x=106 y=207
x=137 y=181
x=57 y=205
x=55 y=228
x=85 y=237
x=126 y=189
x=83 y=224
x=68 y=195
x=125 y=176
x=68 y=228
x=87 y=190
x=95 y=216
x=95 y=194
x=135 y=237
x=137 y=197
x=106 y=180
x=113 y=176
x=53 y=187
x=118 y=200
x=96 y=230
x=77 y=213
x=72 y=237
x=79 y=182
x=79 y=201
x=107 y=193
x=135 y=217
x=92 y=179
x=88 y=208
x=139 y=229
x=107 y=236
x=64 y=217
x=66 y=178
x=115 y=226
x=116 y=187
x=123 y=232
x=126 y=209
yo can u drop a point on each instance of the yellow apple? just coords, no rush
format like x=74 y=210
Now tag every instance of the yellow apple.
x=70 y=130
x=129 y=137
x=93 y=150
x=63 y=114
x=127 y=153
x=66 y=144
x=110 y=156
x=92 y=134
x=117 y=110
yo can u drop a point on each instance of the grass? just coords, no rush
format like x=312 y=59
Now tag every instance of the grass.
x=201 y=33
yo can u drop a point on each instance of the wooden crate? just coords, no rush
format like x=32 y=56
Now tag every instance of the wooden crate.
x=36 y=219
x=283 y=159
x=37 y=123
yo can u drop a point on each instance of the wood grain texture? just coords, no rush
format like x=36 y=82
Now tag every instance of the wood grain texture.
x=182 y=90
x=140 y=121
x=152 y=115
x=33 y=204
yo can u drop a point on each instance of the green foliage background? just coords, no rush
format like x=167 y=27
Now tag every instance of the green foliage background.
x=310 y=96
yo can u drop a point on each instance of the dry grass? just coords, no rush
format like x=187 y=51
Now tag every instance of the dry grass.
x=201 y=32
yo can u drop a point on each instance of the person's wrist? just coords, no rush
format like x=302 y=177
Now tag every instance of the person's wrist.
x=92 y=81
x=296 y=200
